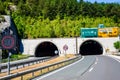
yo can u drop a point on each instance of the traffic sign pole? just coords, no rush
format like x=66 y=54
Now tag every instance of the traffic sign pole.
x=0 y=52
x=65 y=48
x=0 y=58
x=9 y=54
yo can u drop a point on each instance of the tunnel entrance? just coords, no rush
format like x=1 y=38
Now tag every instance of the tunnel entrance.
x=46 y=49
x=91 y=47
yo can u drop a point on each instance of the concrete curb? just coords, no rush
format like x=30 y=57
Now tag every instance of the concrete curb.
x=114 y=56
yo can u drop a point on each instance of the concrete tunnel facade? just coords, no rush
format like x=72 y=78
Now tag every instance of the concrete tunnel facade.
x=32 y=46
x=88 y=47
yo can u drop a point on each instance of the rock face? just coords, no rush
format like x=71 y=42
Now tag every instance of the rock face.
x=7 y=27
x=4 y=23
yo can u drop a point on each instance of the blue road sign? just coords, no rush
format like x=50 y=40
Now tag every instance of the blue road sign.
x=8 y=42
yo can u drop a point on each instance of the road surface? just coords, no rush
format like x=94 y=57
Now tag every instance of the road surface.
x=88 y=68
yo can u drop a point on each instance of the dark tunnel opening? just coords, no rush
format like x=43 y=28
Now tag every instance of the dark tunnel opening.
x=91 y=47
x=46 y=49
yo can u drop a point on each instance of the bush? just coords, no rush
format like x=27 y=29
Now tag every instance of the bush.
x=117 y=45
x=15 y=57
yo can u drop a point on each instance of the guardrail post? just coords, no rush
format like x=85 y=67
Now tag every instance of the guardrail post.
x=48 y=69
x=21 y=77
x=32 y=74
x=41 y=71
x=53 y=67
x=57 y=65
x=16 y=67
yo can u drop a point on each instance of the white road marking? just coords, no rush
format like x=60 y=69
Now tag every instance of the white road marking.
x=116 y=59
x=90 y=69
x=96 y=60
x=41 y=77
x=95 y=63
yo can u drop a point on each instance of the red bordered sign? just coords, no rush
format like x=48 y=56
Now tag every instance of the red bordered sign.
x=65 y=47
x=8 y=42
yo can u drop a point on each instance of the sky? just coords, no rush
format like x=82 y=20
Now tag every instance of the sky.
x=105 y=1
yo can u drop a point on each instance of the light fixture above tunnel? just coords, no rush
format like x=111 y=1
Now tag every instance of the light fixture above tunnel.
x=46 y=49
x=91 y=47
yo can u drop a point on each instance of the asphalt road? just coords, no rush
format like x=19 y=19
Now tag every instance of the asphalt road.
x=88 y=68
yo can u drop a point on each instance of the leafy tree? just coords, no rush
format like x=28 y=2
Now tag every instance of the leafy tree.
x=2 y=7
x=59 y=18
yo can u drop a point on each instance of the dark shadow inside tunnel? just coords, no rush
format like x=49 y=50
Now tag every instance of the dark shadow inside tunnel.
x=45 y=49
x=91 y=47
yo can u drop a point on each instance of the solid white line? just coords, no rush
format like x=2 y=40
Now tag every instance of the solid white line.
x=116 y=59
x=41 y=77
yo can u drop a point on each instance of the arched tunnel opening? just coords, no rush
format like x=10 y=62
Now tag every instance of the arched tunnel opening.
x=91 y=47
x=45 y=49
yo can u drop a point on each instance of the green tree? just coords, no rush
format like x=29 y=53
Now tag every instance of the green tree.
x=2 y=7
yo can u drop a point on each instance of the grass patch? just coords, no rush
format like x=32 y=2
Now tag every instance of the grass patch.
x=15 y=57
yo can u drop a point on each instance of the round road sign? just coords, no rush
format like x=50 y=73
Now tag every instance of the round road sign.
x=65 y=47
x=8 y=42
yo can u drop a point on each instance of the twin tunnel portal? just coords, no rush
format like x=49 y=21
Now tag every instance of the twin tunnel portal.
x=89 y=47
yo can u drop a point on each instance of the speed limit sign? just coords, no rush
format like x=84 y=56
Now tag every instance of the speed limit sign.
x=65 y=47
x=8 y=42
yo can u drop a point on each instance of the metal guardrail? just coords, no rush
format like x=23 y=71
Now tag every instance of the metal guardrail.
x=39 y=71
x=23 y=63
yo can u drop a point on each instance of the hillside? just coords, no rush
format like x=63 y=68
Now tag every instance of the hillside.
x=58 y=18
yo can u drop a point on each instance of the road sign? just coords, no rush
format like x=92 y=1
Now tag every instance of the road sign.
x=65 y=47
x=8 y=42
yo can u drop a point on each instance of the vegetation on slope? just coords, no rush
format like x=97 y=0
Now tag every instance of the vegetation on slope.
x=58 y=18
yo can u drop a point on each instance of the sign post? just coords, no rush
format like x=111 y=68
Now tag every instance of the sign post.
x=9 y=54
x=0 y=52
x=8 y=42
x=0 y=58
